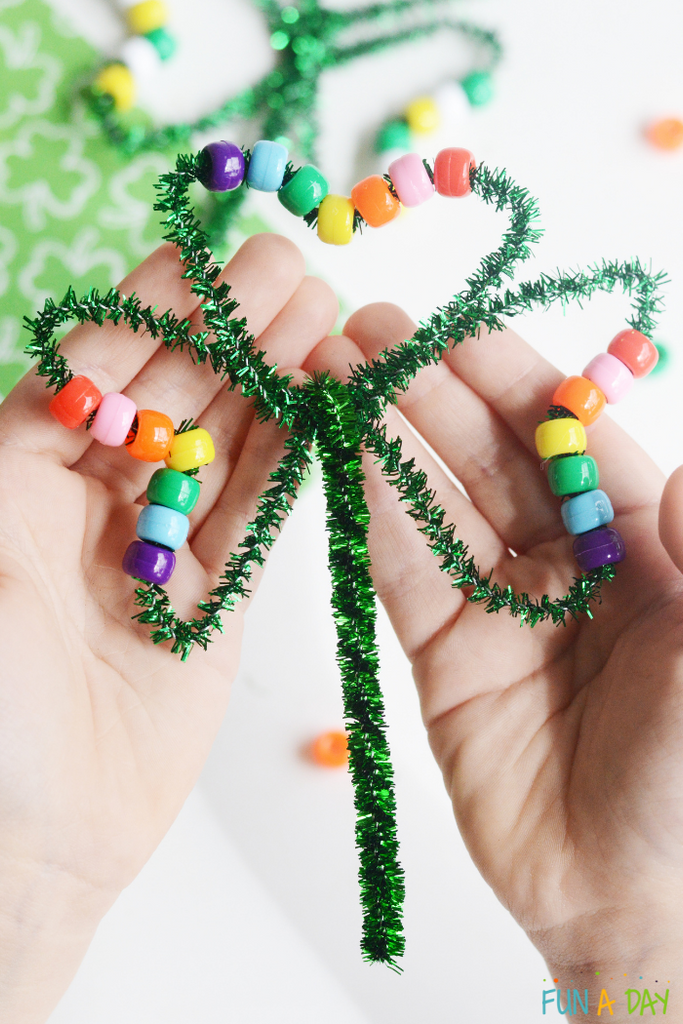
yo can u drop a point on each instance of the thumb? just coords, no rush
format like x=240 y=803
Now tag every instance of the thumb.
x=671 y=518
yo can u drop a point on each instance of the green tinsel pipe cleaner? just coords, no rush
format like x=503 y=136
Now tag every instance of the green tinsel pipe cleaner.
x=343 y=420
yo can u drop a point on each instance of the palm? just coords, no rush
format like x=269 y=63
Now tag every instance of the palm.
x=103 y=734
x=557 y=744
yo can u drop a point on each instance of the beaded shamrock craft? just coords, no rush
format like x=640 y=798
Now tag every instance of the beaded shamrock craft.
x=305 y=40
x=342 y=420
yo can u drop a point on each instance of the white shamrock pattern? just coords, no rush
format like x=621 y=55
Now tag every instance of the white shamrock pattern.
x=36 y=197
x=78 y=259
x=22 y=54
x=8 y=250
x=129 y=213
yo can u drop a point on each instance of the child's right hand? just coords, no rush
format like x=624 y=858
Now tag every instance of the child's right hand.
x=561 y=748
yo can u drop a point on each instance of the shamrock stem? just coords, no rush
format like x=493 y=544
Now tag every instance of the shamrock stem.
x=353 y=605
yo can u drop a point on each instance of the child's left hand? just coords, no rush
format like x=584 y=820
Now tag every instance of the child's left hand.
x=102 y=734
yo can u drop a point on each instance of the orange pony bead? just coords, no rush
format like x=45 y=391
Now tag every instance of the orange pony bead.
x=582 y=397
x=666 y=134
x=374 y=201
x=151 y=436
x=331 y=750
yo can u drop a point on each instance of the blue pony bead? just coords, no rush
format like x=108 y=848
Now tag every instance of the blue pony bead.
x=586 y=512
x=267 y=166
x=158 y=524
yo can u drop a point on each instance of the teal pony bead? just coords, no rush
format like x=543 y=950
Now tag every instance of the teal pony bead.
x=478 y=88
x=393 y=135
x=162 y=41
x=573 y=474
x=162 y=526
x=304 y=191
x=586 y=511
x=174 y=490
x=267 y=166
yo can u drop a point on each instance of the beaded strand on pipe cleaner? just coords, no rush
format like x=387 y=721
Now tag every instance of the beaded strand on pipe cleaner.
x=343 y=420
x=140 y=55
x=114 y=420
x=307 y=40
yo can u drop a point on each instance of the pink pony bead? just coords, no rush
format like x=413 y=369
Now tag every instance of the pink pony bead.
x=113 y=420
x=410 y=179
x=614 y=379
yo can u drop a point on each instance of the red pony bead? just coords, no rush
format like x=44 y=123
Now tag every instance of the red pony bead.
x=452 y=172
x=74 y=403
x=635 y=351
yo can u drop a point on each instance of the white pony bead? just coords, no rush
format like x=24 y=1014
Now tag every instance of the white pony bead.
x=141 y=56
x=454 y=107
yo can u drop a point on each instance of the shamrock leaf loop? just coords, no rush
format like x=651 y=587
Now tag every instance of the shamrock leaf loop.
x=343 y=420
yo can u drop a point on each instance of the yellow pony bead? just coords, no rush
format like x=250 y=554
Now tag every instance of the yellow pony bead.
x=335 y=220
x=423 y=115
x=147 y=16
x=117 y=81
x=191 y=449
x=560 y=437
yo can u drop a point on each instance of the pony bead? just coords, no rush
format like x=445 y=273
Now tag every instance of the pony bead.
x=150 y=437
x=267 y=166
x=636 y=352
x=613 y=378
x=335 y=220
x=148 y=562
x=160 y=525
x=221 y=166
x=411 y=181
x=113 y=420
x=174 y=490
x=190 y=450
x=374 y=201
x=586 y=512
x=74 y=403
x=304 y=191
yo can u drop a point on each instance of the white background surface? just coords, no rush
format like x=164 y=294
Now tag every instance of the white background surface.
x=248 y=912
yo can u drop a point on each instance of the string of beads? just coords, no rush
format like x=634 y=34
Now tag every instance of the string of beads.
x=149 y=436
x=376 y=200
x=140 y=55
x=450 y=102
x=561 y=439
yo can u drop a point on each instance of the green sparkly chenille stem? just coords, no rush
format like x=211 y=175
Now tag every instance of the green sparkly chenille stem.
x=342 y=420
x=308 y=40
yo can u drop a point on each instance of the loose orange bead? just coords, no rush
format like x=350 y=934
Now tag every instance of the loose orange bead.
x=331 y=750
x=582 y=397
x=374 y=201
x=666 y=134
x=151 y=436
x=635 y=350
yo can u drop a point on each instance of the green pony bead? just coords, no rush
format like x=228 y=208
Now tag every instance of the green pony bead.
x=393 y=135
x=174 y=490
x=304 y=191
x=573 y=474
x=163 y=42
x=478 y=88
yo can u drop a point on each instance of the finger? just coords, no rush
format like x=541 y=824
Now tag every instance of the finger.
x=263 y=275
x=308 y=316
x=518 y=384
x=500 y=475
x=671 y=518
x=110 y=356
x=261 y=451
x=418 y=596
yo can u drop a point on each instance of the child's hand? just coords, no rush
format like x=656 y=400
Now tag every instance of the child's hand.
x=562 y=748
x=102 y=734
